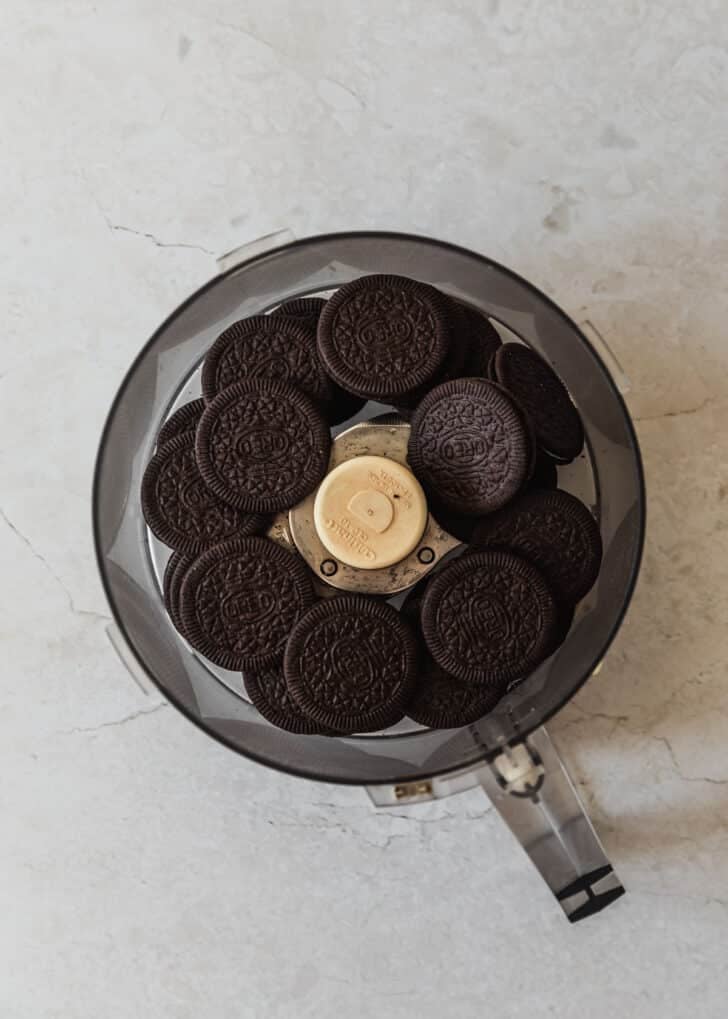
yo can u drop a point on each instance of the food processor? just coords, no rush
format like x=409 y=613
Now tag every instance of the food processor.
x=508 y=753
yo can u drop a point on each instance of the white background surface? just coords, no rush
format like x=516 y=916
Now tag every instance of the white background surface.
x=145 y=870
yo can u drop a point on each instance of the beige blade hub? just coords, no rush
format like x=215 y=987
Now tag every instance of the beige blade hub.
x=370 y=512
x=367 y=527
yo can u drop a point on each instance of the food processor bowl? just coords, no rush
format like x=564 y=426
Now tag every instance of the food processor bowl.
x=607 y=476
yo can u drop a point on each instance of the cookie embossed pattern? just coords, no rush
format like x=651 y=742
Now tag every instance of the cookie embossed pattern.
x=383 y=336
x=469 y=446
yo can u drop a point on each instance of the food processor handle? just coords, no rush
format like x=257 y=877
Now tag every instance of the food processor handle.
x=530 y=788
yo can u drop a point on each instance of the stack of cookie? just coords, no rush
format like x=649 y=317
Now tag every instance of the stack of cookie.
x=489 y=424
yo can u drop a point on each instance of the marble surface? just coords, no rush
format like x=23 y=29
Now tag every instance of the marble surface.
x=147 y=871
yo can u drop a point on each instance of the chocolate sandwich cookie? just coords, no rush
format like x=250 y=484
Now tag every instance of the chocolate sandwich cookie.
x=179 y=507
x=455 y=363
x=269 y=347
x=545 y=474
x=340 y=405
x=173 y=573
x=442 y=701
x=533 y=449
x=175 y=590
x=488 y=617
x=410 y=607
x=458 y=525
x=305 y=309
x=555 y=532
x=469 y=446
x=453 y=366
x=350 y=664
x=544 y=397
x=381 y=337
x=269 y=694
x=240 y=600
x=564 y=621
x=262 y=445
x=483 y=342
x=183 y=420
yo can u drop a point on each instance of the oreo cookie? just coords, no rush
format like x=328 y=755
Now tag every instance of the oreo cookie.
x=350 y=664
x=545 y=474
x=266 y=347
x=555 y=532
x=269 y=694
x=175 y=592
x=410 y=607
x=439 y=699
x=564 y=622
x=381 y=337
x=458 y=525
x=340 y=405
x=176 y=565
x=488 y=617
x=483 y=342
x=453 y=366
x=183 y=420
x=240 y=600
x=262 y=445
x=442 y=701
x=169 y=569
x=533 y=450
x=544 y=398
x=469 y=446
x=304 y=309
x=181 y=510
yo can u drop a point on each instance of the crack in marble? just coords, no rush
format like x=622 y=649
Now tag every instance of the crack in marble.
x=621 y=721
x=88 y=613
x=443 y=817
x=246 y=32
x=696 y=680
x=389 y=812
x=155 y=240
x=390 y=839
x=350 y=91
x=680 y=412
x=676 y=765
x=114 y=723
x=320 y=823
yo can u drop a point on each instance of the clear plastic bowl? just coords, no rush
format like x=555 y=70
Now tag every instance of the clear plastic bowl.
x=607 y=476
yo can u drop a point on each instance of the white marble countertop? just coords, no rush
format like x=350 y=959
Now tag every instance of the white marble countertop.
x=148 y=872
